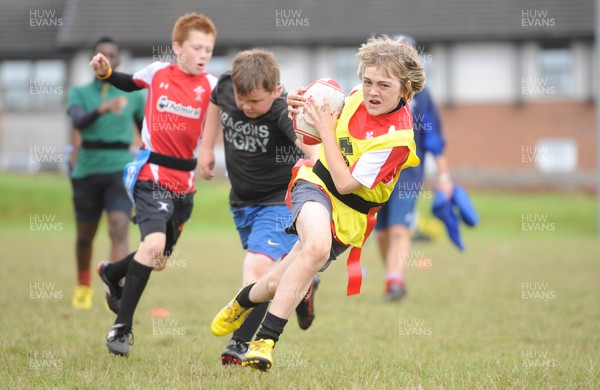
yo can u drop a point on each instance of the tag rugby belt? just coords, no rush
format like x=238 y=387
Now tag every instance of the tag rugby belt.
x=104 y=145
x=180 y=164
x=353 y=201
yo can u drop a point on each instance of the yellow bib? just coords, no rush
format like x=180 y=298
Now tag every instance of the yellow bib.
x=350 y=226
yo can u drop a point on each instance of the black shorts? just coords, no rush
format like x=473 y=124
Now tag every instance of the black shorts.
x=158 y=210
x=93 y=194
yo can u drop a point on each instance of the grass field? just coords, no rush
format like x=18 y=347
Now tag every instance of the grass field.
x=519 y=309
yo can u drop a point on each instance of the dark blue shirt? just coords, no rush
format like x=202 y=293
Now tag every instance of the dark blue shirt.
x=428 y=134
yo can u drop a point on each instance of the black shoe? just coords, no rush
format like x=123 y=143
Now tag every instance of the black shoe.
x=306 y=308
x=234 y=353
x=119 y=339
x=114 y=291
x=394 y=292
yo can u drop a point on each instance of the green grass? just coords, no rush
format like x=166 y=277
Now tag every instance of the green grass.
x=464 y=325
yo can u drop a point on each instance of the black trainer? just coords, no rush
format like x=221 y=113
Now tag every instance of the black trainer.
x=234 y=353
x=119 y=339
x=114 y=291
x=306 y=308
x=394 y=292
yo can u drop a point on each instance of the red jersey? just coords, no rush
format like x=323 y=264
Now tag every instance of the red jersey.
x=173 y=121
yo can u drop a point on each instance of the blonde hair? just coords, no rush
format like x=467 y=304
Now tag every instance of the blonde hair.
x=397 y=59
x=192 y=22
x=254 y=69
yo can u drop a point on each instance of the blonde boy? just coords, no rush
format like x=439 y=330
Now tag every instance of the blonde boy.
x=334 y=202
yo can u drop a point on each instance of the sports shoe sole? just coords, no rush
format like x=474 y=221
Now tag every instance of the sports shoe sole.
x=113 y=304
x=117 y=353
x=258 y=364
x=230 y=360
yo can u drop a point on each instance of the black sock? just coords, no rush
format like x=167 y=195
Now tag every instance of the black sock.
x=251 y=323
x=135 y=281
x=272 y=327
x=243 y=297
x=116 y=271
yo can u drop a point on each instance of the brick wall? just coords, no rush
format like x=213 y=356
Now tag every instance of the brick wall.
x=485 y=142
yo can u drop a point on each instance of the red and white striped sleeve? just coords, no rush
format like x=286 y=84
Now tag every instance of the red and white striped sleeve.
x=376 y=166
x=143 y=77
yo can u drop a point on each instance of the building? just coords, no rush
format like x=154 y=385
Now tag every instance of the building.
x=513 y=79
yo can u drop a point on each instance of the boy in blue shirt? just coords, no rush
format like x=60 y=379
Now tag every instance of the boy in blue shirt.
x=397 y=216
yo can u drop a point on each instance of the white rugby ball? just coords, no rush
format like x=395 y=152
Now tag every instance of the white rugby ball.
x=315 y=94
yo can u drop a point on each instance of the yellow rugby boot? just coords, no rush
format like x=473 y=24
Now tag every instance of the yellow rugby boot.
x=229 y=318
x=259 y=354
x=82 y=297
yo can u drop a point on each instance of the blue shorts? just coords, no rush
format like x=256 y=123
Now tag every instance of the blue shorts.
x=262 y=229
x=400 y=208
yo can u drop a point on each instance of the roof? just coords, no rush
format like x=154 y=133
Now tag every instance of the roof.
x=28 y=27
x=144 y=23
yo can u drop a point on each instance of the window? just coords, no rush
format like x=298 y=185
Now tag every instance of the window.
x=555 y=69
x=345 y=65
x=14 y=79
x=31 y=85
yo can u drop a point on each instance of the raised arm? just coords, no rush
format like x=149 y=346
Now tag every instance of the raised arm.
x=123 y=81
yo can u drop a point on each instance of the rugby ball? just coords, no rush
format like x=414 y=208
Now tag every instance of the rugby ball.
x=315 y=93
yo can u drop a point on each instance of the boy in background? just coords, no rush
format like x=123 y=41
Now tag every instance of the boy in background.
x=103 y=118
x=247 y=105
x=396 y=217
